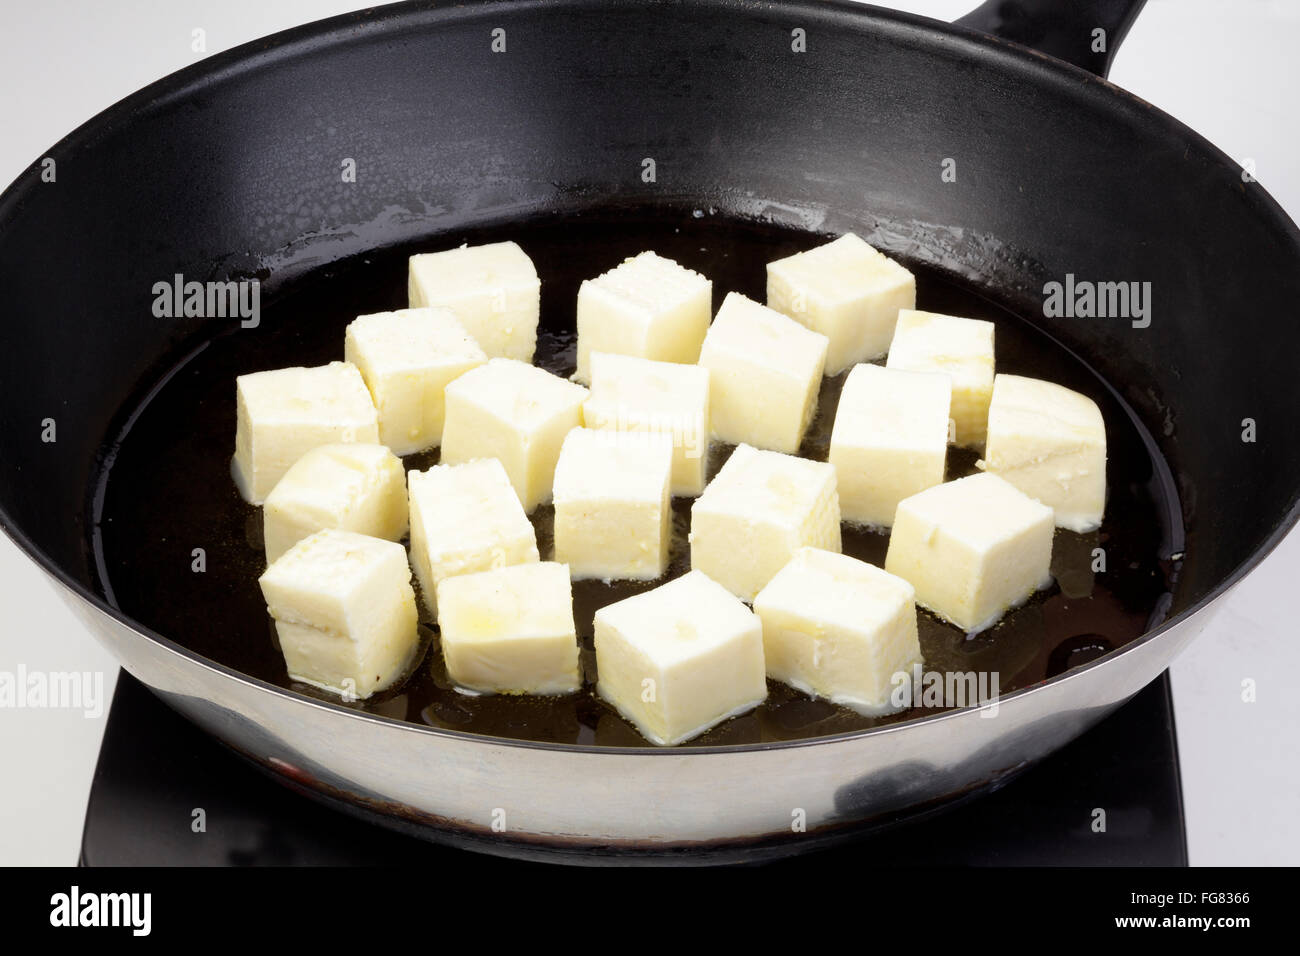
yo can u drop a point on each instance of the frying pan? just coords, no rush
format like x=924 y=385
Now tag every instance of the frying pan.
x=230 y=169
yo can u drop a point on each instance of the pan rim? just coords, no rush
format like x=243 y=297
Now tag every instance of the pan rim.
x=1027 y=65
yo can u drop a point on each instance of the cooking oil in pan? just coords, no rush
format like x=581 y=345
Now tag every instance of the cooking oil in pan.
x=168 y=491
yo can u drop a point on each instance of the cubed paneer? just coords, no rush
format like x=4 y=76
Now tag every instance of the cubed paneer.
x=648 y=306
x=765 y=370
x=353 y=487
x=407 y=358
x=679 y=659
x=613 y=516
x=493 y=289
x=465 y=518
x=973 y=548
x=757 y=512
x=1050 y=442
x=516 y=413
x=839 y=628
x=510 y=630
x=285 y=413
x=960 y=348
x=344 y=611
x=635 y=394
x=847 y=291
x=890 y=440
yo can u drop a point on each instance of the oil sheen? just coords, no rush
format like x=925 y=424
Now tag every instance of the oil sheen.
x=167 y=491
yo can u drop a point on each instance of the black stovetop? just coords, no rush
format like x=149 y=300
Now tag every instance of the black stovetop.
x=155 y=770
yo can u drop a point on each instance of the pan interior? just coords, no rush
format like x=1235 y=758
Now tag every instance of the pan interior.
x=165 y=490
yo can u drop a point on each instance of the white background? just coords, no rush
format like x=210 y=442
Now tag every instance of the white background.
x=1227 y=68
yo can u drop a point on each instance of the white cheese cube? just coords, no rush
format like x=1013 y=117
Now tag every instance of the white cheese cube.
x=847 y=291
x=890 y=440
x=680 y=659
x=765 y=370
x=1050 y=442
x=973 y=549
x=960 y=348
x=407 y=358
x=649 y=307
x=612 y=504
x=465 y=518
x=283 y=414
x=353 y=487
x=635 y=394
x=493 y=289
x=344 y=611
x=516 y=413
x=510 y=630
x=839 y=628
x=757 y=512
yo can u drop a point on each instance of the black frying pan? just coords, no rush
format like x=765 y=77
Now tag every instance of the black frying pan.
x=768 y=125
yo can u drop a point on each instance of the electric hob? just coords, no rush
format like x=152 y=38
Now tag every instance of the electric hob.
x=1112 y=797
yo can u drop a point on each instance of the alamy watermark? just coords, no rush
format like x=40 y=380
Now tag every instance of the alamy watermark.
x=53 y=690
x=945 y=689
x=74 y=908
x=1084 y=299
x=231 y=299
x=684 y=430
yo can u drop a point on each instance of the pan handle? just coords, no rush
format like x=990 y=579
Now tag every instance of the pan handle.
x=1083 y=32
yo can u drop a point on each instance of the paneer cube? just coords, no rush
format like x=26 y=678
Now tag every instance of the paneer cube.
x=765 y=370
x=516 y=413
x=757 y=512
x=285 y=413
x=890 y=440
x=353 y=487
x=973 y=549
x=465 y=518
x=847 y=291
x=635 y=394
x=648 y=306
x=612 y=504
x=344 y=611
x=493 y=289
x=680 y=659
x=960 y=348
x=510 y=630
x=1050 y=442
x=839 y=628
x=407 y=358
